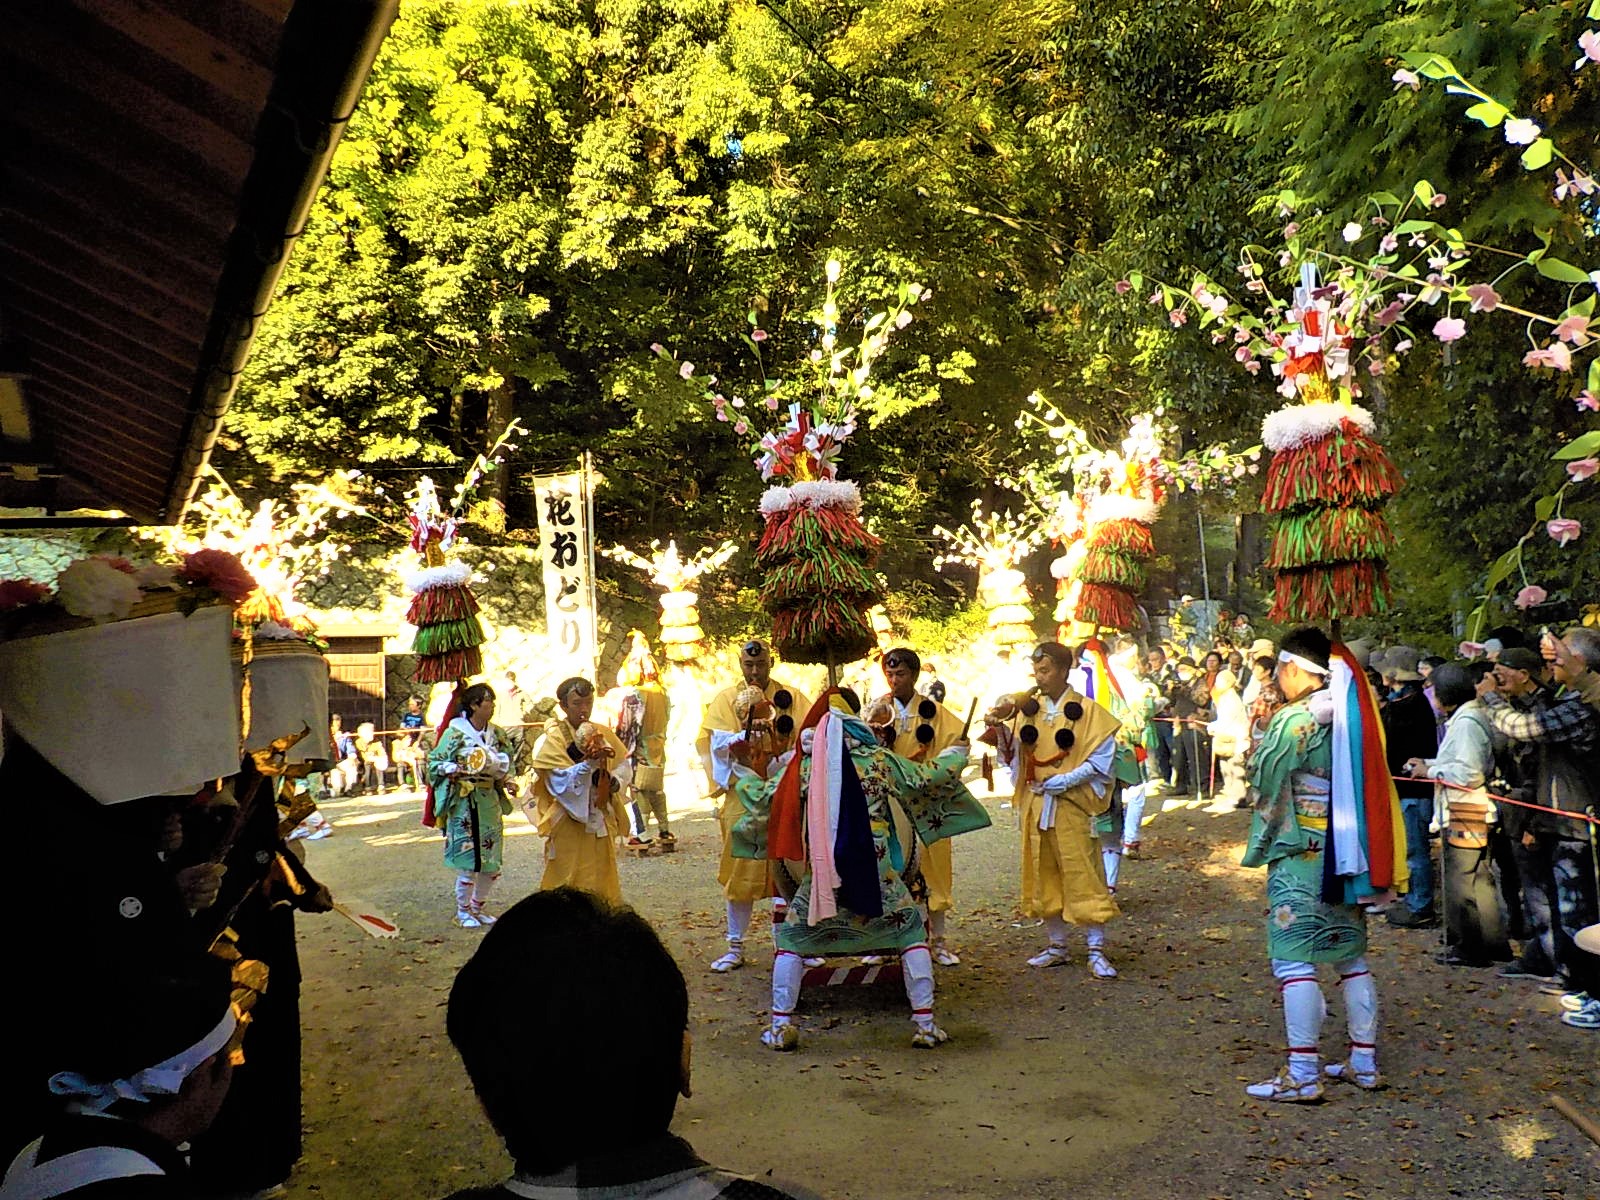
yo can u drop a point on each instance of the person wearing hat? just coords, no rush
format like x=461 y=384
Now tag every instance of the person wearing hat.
x=743 y=881
x=1410 y=732
x=1061 y=749
x=1557 y=862
x=923 y=729
x=131 y=1078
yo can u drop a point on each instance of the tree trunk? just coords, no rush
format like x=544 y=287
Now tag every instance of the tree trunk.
x=502 y=409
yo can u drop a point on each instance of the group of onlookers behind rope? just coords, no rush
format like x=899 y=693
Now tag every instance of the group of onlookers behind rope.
x=1472 y=745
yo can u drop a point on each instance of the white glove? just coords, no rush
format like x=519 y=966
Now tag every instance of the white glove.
x=1057 y=784
x=449 y=768
x=956 y=750
x=1320 y=705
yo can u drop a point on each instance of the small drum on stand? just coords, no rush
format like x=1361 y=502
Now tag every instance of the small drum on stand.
x=1468 y=826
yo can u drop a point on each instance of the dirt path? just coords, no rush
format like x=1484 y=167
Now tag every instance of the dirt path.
x=1052 y=1083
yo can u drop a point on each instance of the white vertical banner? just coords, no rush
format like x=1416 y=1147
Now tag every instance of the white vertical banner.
x=564 y=549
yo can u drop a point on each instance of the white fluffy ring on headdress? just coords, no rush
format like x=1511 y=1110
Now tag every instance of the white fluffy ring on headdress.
x=1301 y=424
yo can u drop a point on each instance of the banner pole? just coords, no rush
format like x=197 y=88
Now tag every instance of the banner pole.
x=594 y=607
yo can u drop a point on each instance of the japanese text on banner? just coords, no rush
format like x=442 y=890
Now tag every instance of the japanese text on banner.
x=568 y=571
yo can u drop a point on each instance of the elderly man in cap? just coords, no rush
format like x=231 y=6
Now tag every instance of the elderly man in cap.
x=744 y=881
x=1556 y=860
x=1410 y=732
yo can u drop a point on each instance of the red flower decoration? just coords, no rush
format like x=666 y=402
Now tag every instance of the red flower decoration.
x=20 y=593
x=220 y=571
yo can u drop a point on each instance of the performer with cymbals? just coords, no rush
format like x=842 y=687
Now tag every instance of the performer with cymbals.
x=760 y=709
x=1061 y=749
x=922 y=730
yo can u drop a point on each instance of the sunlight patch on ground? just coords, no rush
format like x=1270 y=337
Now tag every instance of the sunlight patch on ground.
x=1223 y=861
x=377 y=818
x=388 y=800
x=1520 y=1137
x=411 y=838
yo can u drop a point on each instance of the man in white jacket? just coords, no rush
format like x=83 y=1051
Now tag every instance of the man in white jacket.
x=1475 y=925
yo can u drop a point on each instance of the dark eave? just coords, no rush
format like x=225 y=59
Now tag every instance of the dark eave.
x=158 y=158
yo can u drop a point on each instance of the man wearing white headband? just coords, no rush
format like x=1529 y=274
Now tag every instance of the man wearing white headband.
x=136 y=1077
x=1291 y=772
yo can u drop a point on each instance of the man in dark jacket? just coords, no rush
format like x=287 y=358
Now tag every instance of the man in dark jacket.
x=1411 y=731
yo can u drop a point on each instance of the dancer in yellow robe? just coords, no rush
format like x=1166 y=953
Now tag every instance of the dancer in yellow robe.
x=578 y=796
x=923 y=729
x=1061 y=749
x=744 y=881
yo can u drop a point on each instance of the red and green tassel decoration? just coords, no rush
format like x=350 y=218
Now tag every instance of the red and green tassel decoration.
x=1326 y=487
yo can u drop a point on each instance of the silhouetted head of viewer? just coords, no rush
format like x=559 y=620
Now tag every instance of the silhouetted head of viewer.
x=570 y=1012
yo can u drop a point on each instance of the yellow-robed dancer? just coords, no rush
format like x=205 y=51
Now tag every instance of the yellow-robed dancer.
x=923 y=729
x=1061 y=748
x=743 y=880
x=579 y=770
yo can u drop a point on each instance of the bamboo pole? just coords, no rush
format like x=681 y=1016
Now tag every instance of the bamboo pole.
x=1585 y=1125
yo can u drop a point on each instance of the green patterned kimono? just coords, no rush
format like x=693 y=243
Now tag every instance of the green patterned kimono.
x=939 y=806
x=471 y=811
x=1289 y=782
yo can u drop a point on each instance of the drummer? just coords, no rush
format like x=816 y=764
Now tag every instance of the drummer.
x=467 y=771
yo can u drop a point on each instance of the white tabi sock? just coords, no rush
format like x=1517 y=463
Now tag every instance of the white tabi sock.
x=1056 y=928
x=738 y=920
x=1303 y=1012
x=1361 y=1013
x=1132 y=811
x=1112 y=858
x=788 y=973
x=482 y=884
x=936 y=926
x=464 y=891
x=916 y=968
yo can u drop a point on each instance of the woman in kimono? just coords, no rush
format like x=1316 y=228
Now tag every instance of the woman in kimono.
x=467 y=771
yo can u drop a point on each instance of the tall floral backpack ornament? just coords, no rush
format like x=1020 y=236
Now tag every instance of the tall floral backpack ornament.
x=1119 y=544
x=815 y=554
x=443 y=608
x=1328 y=481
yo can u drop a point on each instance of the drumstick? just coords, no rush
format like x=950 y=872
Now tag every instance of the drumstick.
x=971 y=712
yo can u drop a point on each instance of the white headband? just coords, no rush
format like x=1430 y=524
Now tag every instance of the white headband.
x=163 y=1079
x=1305 y=664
